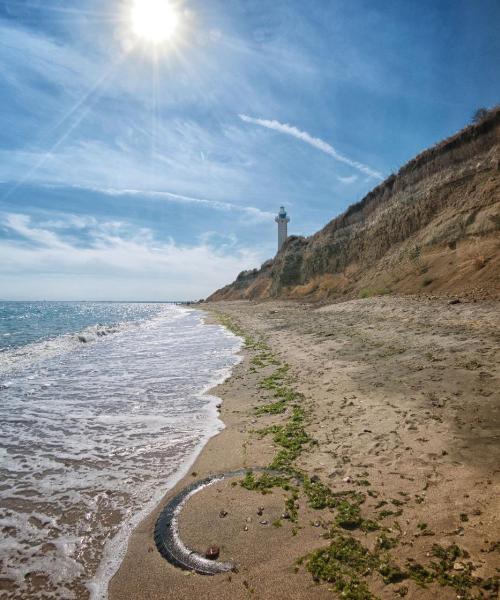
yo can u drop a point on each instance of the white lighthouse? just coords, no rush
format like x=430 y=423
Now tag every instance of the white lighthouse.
x=282 y=219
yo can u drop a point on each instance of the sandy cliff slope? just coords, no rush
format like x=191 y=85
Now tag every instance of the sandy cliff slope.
x=432 y=227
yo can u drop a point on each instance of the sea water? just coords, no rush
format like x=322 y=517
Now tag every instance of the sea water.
x=103 y=406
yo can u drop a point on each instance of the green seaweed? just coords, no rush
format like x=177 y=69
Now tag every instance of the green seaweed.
x=389 y=513
x=273 y=408
x=384 y=542
x=368 y=525
x=444 y=573
x=391 y=573
x=348 y=515
x=274 y=380
x=343 y=563
x=264 y=483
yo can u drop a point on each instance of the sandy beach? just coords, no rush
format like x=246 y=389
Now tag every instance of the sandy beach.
x=387 y=410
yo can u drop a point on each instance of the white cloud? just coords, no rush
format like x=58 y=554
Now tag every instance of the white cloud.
x=253 y=214
x=20 y=224
x=312 y=141
x=348 y=180
x=114 y=263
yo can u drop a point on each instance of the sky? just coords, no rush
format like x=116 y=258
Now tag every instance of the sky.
x=138 y=171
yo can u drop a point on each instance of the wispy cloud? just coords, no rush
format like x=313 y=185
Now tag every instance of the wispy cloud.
x=348 y=180
x=115 y=261
x=253 y=213
x=312 y=141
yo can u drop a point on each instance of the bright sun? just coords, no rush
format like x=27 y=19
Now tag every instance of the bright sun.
x=154 y=21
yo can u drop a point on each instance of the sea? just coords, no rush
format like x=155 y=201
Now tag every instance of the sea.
x=103 y=407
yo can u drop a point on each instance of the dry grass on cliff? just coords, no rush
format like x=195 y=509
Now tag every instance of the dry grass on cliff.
x=432 y=227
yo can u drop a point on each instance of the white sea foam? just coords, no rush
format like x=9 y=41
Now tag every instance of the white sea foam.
x=93 y=434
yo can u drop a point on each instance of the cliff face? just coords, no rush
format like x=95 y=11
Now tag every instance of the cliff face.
x=433 y=227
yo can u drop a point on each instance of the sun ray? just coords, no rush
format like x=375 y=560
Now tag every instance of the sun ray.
x=90 y=98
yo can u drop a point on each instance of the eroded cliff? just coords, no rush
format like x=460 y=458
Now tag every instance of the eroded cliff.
x=434 y=227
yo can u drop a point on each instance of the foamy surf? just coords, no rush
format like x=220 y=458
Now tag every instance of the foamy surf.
x=94 y=434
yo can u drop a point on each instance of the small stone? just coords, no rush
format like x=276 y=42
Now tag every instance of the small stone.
x=347 y=480
x=458 y=566
x=454 y=301
x=223 y=513
x=245 y=528
x=315 y=479
x=260 y=511
x=212 y=552
x=285 y=515
x=317 y=524
x=264 y=522
x=248 y=519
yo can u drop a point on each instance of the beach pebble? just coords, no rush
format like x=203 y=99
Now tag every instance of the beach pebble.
x=212 y=552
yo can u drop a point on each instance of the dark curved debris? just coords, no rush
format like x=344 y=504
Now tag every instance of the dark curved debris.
x=166 y=534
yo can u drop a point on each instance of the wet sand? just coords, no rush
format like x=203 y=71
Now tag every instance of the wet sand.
x=401 y=397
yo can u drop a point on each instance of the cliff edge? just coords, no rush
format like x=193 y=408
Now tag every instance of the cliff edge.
x=432 y=227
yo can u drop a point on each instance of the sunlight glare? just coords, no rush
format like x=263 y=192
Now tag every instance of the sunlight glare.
x=154 y=21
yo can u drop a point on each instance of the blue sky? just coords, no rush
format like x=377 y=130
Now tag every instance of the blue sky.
x=134 y=171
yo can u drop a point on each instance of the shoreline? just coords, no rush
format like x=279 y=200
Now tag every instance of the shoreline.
x=110 y=564
x=111 y=451
x=98 y=585
x=412 y=479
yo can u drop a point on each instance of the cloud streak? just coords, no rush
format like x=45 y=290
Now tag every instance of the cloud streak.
x=312 y=141
x=253 y=213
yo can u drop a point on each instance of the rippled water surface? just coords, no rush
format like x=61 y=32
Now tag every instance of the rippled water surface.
x=96 y=422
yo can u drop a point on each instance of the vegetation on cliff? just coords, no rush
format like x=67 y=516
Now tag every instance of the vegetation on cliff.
x=432 y=227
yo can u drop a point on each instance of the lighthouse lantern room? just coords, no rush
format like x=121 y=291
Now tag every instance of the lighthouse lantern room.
x=282 y=219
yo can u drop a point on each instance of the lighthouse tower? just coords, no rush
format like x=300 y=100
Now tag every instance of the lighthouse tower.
x=282 y=219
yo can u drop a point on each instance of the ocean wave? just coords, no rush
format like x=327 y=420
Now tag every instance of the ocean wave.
x=12 y=359
x=94 y=434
